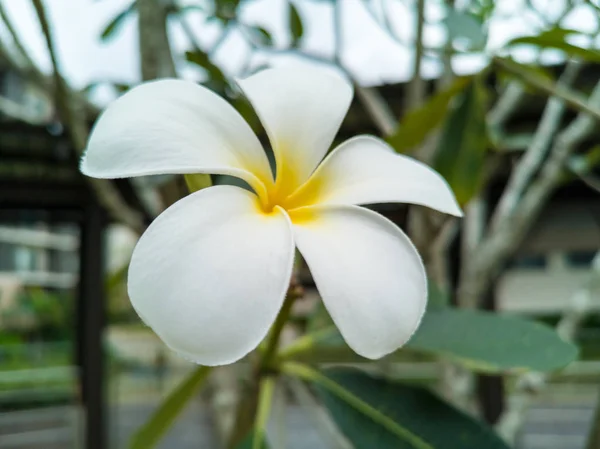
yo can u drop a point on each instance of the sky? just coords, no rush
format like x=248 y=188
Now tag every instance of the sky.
x=368 y=52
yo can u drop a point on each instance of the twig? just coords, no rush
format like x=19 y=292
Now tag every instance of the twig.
x=497 y=247
x=29 y=64
x=76 y=124
x=530 y=385
x=377 y=108
x=416 y=86
x=531 y=161
x=506 y=105
x=571 y=99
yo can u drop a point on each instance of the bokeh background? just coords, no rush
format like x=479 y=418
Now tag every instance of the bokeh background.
x=446 y=81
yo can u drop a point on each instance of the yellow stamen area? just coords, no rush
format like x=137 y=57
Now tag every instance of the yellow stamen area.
x=285 y=194
x=289 y=193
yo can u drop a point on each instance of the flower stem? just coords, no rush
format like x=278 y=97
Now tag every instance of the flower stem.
x=273 y=339
x=265 y=400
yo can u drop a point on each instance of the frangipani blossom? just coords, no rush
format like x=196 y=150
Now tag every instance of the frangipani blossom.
x=210 y=273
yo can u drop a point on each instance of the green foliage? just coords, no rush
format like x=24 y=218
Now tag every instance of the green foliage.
x=197 y=181
x=482 y=341
x=556 y=38
x=486 y=341
x=41 y=314
x=437 y=298
x=190 y=8
x=419 y=123
x=226 y=10
x=117 y=22
x=261 y=35
x=217 y=80
x=150 y=433
x=375 y=413
x=462 y=146
x=248 y=442
x=295 y=25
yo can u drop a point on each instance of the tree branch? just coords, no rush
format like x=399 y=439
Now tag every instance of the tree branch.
x=28 y=62
x=497 y=247
x=377 y=108
x=534 y=156
x=572 y=99
x=416 y=86
x=155 y=53
x=75 y=122
x=506 y=104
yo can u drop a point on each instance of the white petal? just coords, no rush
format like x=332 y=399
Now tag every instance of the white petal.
x=301 y=109
x=173 y=126
x=211 y=272
x=368 y=273
x=365 y=170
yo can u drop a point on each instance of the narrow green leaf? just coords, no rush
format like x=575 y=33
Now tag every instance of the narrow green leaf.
x=261 y=35
x=218 y=80
x=295 y=24
x=190 y=8
x=556 y=38
x=197 y=181
x=249 y=441
x=419 y=123
x=492 y=342
x=115 y=24
x=462 y=146
x=370 y=411
x=369 y=420
x=149 y=435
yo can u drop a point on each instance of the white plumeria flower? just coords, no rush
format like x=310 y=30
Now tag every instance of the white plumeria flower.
x=210 y=273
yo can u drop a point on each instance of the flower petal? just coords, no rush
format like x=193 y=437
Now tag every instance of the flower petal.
x=368 y=273
x=301 y=110
x=365 y=170
x=174 y=126
x=211 y=272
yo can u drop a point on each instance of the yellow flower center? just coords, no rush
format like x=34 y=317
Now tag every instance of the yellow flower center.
x=286 y=194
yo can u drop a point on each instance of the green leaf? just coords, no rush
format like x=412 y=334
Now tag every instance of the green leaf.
x=462 y=146
x=418 y=123
x=190 y=8
x=162 y=419
x=482 y=341
x=295 y=24
x=375 y=413
x=226 y=10
x=492 y=342
x=556 y=38
x=437 y=298
x=217 y=79
x=462 y=24
x=117 y=22
x=261 y=35
x=249 y=441
x=197 y=181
